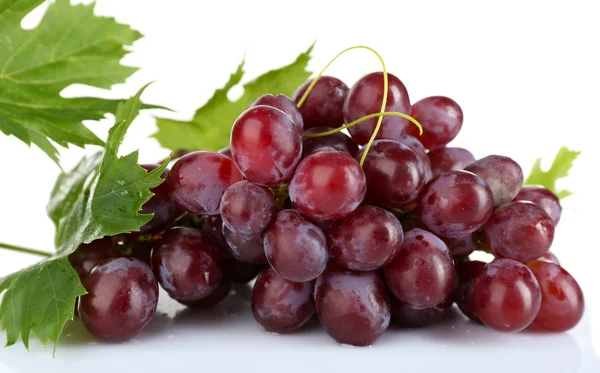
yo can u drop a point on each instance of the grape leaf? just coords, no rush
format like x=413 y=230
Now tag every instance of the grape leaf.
x=39 y=299
x=560 y=169
x=211 y=126
x=70 y=45
x=89 y=203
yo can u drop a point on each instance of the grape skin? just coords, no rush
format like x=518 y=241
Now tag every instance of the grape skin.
x=503 y=175
x=328 y=185
x=353 y=307
x=285 y=104
x=455 y=204
x=441 y=118
x=461 y=246
x=214 y=298
x=543 y=198
x=447 y=159
x=415 y=145
x=280 y=305
x=463 y=296
x=506 y=296
x=519 y=230
x=338 y=141
x=247 y=208
x=248 y=249
x=212 y=226
x=323 y=107
x=406 y=316
x=165 y=210
x=87 y=256
x=121 y=300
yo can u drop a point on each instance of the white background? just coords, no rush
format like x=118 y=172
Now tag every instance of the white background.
x=526 y=74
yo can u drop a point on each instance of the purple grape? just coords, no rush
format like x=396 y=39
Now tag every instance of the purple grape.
x=121 y=300
x=353 y=307
x=285 y=104
x=441 y=118
x=214 y=298
x=87 y=256
x=447 y=159
x=365 y=240
x=295 y=248
x=365 y=98
x=187 y=264
x=422 y=272
x=199 y=179
x=248 y=249
x=418 y=148
x=280 y=305
x=394 y=174
x=543 y=198
x=520 y=231
x=503 y=175
x=409 y=317
x=461 y=246
x=463 y=296
x=338 y=141
x=212 y=226
x=265 y=145
x=247 y=208
x=165 y=210
x=324 y=105
x=455 y=204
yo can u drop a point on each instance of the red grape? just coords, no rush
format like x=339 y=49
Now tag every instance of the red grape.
x=323 y=107
x=463 y=296
x=87 y=256
x=503 y=175
x=338 y=141
x=247 y=208
x=248 y=249
x=461 y=246
x=418 y=148
x=240 y=272
x=285 y=104
x=549 y=257
x=212 y=226
x=448 y=159
x=409 y=317
x=441 y=118
x=165 y=210
x=214 y=298
x=543 y=198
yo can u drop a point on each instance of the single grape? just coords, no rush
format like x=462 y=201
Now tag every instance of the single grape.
x=199 y=179
x=463 y=296
x=418 y=148
x=248 y=249
x=461 y=246
x=543 y=198
x=240 y=272
x=265 y=145
x=165 y=210
x=226 y=151
x=447 y=159
x=353 y=307
x=562 y=298
x=549 y=257
x=214 y=298
x=506 y=296
x=247 y=208
x=455 y=204
x=422 y=272
x=186 y=264
x=121 y=300
x=87 y=256
x=394 y=174
x=285 y=104
x=365 y=98
x=295 y=248
x=519 y=230
x=409 y=317
x=338 y=141
x=280 y=305
x=212 y=226
x=503 y=175
x=328 y=185
x=441 y=118
x=365 y=240
x=324 y=105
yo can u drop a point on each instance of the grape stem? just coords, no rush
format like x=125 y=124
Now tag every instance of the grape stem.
x=25 y=250
x=366 y=117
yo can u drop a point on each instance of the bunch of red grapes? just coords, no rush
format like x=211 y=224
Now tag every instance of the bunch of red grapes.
x=360 y=246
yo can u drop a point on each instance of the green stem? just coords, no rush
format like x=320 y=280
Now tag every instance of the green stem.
x=25 y=250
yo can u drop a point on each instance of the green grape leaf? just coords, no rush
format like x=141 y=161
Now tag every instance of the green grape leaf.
x=70 y=45
x=39 y=299
x=563 y=161
x=211 y=126
x=103 y=194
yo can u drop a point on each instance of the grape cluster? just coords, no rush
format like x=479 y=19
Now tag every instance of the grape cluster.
x=359 y=244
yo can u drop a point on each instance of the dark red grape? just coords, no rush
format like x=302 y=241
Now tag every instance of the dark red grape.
x=519 y=230
x=212 y=226
x=266 y=146
x=247 y=208
x=280 y=305
x=503 y=175
x=415 y=145
x=448 y=159
x=248 y=249
x=422 y=272
x=186 y=264
x=562 y=298
x=226 y=151
x=409 y=317
x=240 y=272
x=142 y=249
x=394 y=174
x=463 y=296
x=549 y=257
x=296 y=248
x=328 y=185
x=121 y=300
x=214 y=298
x=455 y=204
x=543 y=198
x=365 y=98
x=199 y=179
x=285 y=104
x=365 y=240
x=85 y=258
x=165 y=209
x=506 y=296
x=353 y=307
x=338 y=141
x=441 y=118
x=324 y=105
x=461 y=246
